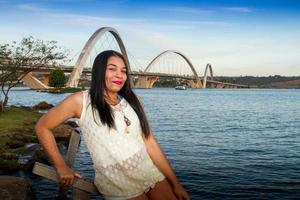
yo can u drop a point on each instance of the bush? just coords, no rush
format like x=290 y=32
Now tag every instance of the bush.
x=31 y=52
x=57 y=78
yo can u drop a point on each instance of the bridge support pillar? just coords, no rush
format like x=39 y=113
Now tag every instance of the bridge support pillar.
x=33 y=82
x=145 y=82
x=46 y=79
x=194 y=84
x=151 y=80
x=141 y=82
x=218 y=85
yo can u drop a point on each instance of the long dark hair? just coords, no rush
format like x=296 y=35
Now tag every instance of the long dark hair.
x=97 y=93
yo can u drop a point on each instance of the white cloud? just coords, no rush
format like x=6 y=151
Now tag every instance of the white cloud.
x=199 y=11
x=150 y=32
x=187 y=10
x=29 y=7
x=237 y=9
x=202 y=41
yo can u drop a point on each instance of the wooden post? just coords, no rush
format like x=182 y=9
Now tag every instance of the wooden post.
x=72 y=148
x=81 y=189
x=50 y=173
x=78 y=194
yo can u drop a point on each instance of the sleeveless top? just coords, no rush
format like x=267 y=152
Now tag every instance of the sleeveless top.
x=122 y=165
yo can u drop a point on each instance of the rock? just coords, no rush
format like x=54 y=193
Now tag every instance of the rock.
x=39 y=154
x=62 y=133
x=8 y=166
x=7 y=133
x=8 y=155
x=15 y=144
x=15 y=188
x=36 y=154
x=25 y=137
x=72 y=123
x=43 y=106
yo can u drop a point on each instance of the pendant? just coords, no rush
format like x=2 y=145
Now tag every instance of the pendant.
x=127 y=122
x=126 y=129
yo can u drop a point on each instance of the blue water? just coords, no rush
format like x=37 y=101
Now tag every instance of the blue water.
x=222 y=144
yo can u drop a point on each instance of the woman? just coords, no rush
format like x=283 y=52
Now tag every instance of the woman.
x=128 y=162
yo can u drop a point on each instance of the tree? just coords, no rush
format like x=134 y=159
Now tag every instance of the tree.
x=57 y=78
x=19 y=59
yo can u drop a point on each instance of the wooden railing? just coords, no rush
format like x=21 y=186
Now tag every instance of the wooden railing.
x=81 y=189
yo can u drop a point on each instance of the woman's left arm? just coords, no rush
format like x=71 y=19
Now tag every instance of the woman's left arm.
x=160 y=160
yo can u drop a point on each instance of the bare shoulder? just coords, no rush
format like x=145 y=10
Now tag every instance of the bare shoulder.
x=70 y=107
x=72 y=103
x=76 y=98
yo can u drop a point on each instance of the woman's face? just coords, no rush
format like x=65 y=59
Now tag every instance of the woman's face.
x=115 y=75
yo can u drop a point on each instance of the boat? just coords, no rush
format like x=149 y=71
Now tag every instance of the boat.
x=180 y=87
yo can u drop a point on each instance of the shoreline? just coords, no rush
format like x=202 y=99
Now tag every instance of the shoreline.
x=17 y=137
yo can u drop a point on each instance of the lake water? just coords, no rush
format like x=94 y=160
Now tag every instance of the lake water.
x=222 y=143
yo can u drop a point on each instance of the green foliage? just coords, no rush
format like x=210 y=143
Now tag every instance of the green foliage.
x=65 y=90
x=259 y=81
x=3 y=141
x=16 y=130
x=16 y=119
x=19 y=59
x=169 y=82
x=57 y=78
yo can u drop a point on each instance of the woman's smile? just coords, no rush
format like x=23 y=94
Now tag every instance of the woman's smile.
x=118 y=82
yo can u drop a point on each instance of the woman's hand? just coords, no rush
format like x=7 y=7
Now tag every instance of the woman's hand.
x=66 y=175
x=180 y=193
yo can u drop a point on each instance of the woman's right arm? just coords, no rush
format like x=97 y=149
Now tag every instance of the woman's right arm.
x=68 y=108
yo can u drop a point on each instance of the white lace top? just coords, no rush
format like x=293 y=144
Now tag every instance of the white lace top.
x=122 y=165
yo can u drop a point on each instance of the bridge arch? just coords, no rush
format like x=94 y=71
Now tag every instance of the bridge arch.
x=198 y=81
x=208 y=66
x=78 y=68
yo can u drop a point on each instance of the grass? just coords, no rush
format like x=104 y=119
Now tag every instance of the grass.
x=65 y=90
x=4 y=140
x=16 y=129
x=18 y=119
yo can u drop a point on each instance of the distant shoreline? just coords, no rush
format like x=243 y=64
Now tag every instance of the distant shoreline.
x=271 y=82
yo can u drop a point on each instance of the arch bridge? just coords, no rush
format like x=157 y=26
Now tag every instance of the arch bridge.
x=147 y=78
x=144 y=79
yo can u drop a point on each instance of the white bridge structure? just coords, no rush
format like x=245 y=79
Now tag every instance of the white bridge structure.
x=169 y=63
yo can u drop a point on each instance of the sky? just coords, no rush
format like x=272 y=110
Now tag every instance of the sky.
x=238 y=38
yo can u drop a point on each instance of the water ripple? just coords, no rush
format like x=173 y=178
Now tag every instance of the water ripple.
x=223 y=144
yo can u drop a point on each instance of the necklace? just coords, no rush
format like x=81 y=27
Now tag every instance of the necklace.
x=127 y=122
x=112 y=102
x=120 y=108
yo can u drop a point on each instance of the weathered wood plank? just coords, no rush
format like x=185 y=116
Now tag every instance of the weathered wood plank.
x=50 y=173
x=78 y=194
x=72 y=148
